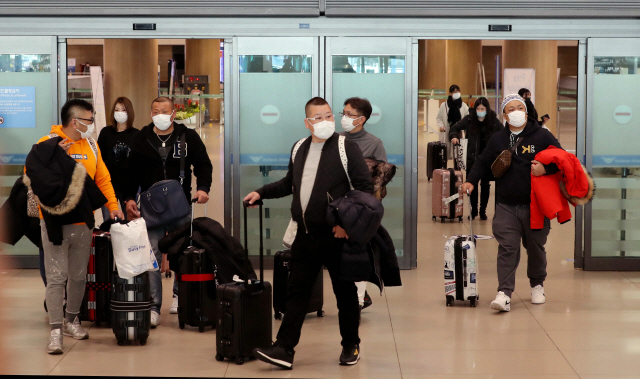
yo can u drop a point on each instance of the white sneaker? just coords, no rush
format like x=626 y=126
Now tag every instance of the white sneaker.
x=502 y=302
x=54 y=345
x=174 y=306
x=537 y=295
x=74 y=329
x=155 y=319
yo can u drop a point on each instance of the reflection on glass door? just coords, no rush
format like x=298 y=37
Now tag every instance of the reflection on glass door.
x=273 y=90
x=28 y=108
x=378 y=72
x=614 y=123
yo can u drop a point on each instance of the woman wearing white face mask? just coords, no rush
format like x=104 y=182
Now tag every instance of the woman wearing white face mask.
x=511 y=223
x=115 y=144
x=451 y=111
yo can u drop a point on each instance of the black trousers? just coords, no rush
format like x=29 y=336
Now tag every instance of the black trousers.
x=309 y=253
x=485 y=188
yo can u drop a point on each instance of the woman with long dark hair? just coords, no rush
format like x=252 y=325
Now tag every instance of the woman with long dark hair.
x=478 y=126
x=115 y=144
x=451 y=112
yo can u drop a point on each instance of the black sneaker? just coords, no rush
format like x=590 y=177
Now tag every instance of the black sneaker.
x=483 y=216
x=367 y=300
x=350 y=355
x=276 y=355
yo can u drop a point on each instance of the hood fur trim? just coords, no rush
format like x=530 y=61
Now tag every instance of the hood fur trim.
x=74 y=192
x=577 y=200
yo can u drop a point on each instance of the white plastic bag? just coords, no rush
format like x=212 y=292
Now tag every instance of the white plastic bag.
x=131 y=249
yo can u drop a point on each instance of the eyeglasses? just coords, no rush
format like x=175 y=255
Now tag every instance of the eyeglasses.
x=354 y=116
x=328 y=117
x=91 y=120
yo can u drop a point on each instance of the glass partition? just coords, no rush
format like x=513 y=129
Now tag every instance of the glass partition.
x=615 y=112
x=26 y=108
x=273 y=92
x=381 y=80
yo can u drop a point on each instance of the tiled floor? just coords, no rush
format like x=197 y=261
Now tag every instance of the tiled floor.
x=589 y=328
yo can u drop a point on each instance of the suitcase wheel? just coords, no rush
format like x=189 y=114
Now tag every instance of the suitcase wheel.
x=473 y=302
x=460 y=219
x=219 y=357
x=181 y=324
x=278 y=316
x=428 y=179
x=97 y=323
x=433 y=218
x=143 y=342
x=449 y=301
x=320 y=313
x=201 y=328
x=120 y=342
x=239 y=360
x=442 y=220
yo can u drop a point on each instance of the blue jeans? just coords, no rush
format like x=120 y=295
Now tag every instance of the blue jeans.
x=155 y=278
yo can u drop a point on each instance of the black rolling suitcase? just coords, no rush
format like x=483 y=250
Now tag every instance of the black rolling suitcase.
x=244 y=311
x=281 y=271
x=196 y=287
x=436 y=157
x=96 y=304
x=131 y=308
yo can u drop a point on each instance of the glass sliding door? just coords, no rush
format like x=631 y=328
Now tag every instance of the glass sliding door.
x=28 y=108
x=378 y=69
x=612 y=227
x=276 y=77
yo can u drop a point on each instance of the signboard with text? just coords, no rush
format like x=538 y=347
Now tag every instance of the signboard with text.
x=17 y=107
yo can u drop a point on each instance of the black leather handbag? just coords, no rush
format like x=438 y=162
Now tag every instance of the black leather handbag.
x=165 y=202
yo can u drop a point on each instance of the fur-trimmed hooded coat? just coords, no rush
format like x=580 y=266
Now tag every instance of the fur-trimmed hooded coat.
x=66 y=194
x=551 y=194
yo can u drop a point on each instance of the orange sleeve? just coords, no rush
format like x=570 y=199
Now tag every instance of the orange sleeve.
x=103 y=181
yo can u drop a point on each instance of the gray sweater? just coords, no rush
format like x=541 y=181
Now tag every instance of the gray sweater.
x=370 y=145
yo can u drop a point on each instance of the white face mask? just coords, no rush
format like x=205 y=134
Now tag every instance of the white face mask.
x=121 y=117
x=324 y=129
x=89 y=132
x=162 y=121
x=456 y=96
x=347 y=123
x=517 y=118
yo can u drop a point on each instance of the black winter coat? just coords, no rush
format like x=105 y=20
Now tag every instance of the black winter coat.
x=330 y=179
x=514 y=188
x=146 y=168
x=65 y=192
x=478 y=135
x=14 y=220
x=225 y=251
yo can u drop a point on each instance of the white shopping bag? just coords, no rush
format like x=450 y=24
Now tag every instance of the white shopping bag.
x=132 y=249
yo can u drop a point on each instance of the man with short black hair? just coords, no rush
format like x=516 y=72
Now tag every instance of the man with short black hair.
x=355 y=114
x=67 y=227
x=316 y=174
x=155 y=156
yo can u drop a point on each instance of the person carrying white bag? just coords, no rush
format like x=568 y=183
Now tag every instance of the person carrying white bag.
x=131 y=249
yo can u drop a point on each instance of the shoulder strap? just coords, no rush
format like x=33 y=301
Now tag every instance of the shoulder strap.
x=295 y=149
x=515 y=145
x=183 y=153
x=94 y=147
x=343 y=157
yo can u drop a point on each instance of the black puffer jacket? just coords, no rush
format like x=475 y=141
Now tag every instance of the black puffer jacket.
x=359 y=214
x=14 y=220
x=225 y=251
x=330 y=179
x=478 y=133
x=65 y=192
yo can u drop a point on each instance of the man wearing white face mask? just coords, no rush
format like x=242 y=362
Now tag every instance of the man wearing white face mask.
x=155 y=155
x=355 y=114
x=66 y=256
x=451 y=111
x=511 y=223
x=317 y=174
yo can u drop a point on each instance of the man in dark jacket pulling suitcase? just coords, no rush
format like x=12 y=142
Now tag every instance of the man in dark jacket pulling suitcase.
x=156 y=142
x=511 y=223
x=317 y=173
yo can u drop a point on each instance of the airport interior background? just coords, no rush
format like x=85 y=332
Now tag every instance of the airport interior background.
x=588 y=329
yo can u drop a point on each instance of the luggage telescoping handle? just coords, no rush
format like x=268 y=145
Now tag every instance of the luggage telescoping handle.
x=193 y=207
x=470 y=218
x=246 y=204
